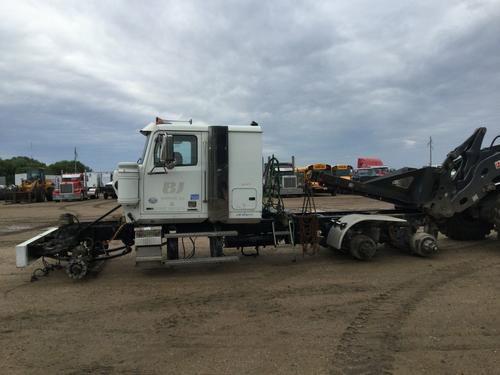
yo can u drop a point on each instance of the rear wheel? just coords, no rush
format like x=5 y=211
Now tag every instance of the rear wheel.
x=462 y=227
x=362 y=247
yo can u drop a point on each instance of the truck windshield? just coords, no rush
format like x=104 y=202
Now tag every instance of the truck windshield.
x=342 y=172
x=141 y=159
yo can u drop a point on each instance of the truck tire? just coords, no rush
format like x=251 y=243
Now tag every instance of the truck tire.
x=40 y=195
x=362 y=247
x=462 y=227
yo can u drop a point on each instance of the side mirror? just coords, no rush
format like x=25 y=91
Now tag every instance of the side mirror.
x=167 y=150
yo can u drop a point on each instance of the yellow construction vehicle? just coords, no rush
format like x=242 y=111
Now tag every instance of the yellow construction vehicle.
x=35 y=188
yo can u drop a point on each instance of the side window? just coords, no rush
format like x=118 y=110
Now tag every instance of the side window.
x=185 y=150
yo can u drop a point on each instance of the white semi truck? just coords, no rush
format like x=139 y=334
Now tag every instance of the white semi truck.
x=198 y=180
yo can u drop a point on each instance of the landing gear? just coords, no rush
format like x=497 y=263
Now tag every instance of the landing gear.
x=216 y=247
x=172 y=248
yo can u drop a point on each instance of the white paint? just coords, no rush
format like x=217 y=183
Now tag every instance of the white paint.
x=336 y=233
x=23 y=256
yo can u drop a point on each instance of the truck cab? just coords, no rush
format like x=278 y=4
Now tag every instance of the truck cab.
x=193 y=173
x=73 y=186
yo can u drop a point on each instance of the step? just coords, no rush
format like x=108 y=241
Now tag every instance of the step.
x=156 y=262
x=202 y=234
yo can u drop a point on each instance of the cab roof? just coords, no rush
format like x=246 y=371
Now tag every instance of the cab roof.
x=152 y=127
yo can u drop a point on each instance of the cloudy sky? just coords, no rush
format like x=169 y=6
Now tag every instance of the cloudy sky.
x=328 y=81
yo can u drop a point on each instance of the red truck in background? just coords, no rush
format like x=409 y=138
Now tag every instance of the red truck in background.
x=369 y=168
x=73 y=186
x=369 y=162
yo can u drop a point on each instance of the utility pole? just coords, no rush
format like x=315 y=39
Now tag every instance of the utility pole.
x=430 y=151
x=75 y=158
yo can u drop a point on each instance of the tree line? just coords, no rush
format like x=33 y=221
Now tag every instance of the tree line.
x=21 y=164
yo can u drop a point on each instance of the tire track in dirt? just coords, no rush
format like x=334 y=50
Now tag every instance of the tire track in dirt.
x=371 y=339
x=36 y=227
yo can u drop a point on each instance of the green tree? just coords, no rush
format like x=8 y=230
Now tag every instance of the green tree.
x=18 y=164
x=21 y=164
x=68 y=166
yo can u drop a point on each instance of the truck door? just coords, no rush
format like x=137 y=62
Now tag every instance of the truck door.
x=174 y=191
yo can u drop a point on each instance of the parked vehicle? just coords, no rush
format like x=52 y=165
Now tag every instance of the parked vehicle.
x=34 y=188
x=73 y=186
x=291 y=179
x=206 y=181
x=108 y=191
x=364 y=162
x=342 y=170
x=314 y=177
x=366 y=174
x=94 y=184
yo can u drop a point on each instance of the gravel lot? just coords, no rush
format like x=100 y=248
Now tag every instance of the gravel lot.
x=321 y=314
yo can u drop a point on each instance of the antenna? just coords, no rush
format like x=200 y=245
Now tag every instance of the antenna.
x=430 y=151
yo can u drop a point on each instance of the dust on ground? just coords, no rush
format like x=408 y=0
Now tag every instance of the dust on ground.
x=320 y=314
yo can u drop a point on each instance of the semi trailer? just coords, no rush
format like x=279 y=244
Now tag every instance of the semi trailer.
x=206 y=181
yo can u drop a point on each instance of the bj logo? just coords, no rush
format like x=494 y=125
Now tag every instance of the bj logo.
x=174 y=188
x=497 y=164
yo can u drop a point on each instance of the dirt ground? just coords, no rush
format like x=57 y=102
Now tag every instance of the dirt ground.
x=267 y=315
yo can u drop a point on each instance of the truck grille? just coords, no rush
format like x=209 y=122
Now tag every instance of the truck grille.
x=289 y=181
x=66 y=188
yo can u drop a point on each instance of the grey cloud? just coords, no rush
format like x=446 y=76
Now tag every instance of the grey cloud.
x=329 y=81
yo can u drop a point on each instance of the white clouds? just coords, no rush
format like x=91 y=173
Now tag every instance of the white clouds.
x=326 y=79
x=409 y=143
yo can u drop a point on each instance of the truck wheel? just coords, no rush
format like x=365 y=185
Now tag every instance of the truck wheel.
x=362 y=247
x=461 y=227
x=39 y=195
